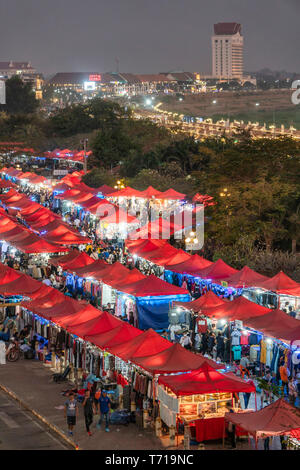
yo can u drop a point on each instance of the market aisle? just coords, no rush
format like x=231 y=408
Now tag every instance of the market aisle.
x=31 y=381
x=18 y=431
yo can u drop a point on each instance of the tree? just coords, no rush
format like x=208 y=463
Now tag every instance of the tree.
x=97 y=177
x=20 y=98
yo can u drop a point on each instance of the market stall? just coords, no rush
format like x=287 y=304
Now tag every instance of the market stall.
x=200 y=399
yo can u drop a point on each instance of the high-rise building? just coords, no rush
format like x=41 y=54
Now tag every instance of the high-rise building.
x=227 y=51
x=25 y=71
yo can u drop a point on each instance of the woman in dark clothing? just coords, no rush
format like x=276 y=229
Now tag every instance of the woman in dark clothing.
x=204 y=343
x=131 y=319
x=220 y=346
x=211 y=342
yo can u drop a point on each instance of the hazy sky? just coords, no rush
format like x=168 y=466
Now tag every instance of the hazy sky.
x=146 y=35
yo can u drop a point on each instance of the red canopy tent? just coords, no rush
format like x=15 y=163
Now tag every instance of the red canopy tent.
x=57 y=224
x=238 y=309
x=52 y=309
x=63 y=236
x=172 y=195
x=105 y=322
x=140 y=247
x=277 y=324
x=105 y=190
x=7 y=184
x=209 y=300
x=179 y=257
x=152 y=286
x=192 y=265
x=148 y=342
x=73 y=260
x=174 y=359
x=7 y=274
x=86 y=314
x=205 y=380
x=282 y=284
x=119 y=335
x=160 y=228
x=246 y=277
x=150 y=193
x=23 y=285
x=276 y=419
x=132 y=276
x=126 y=192
x=217 y=271
x=162 y=254
x=112 y=214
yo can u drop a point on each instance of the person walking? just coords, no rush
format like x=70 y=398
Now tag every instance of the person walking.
x=71 y=412
x=89 y=409
x=103 y=410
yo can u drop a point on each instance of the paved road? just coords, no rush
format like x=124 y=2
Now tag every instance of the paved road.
x=19 y=431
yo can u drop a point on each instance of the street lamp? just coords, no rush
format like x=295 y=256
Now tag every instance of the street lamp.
x=84 y=143
x=214 y=102
x=257 y=104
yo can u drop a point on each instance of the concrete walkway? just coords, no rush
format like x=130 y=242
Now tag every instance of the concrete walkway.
x=31 y=382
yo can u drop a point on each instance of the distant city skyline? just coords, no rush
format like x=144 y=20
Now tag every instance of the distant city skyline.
x=145 y=37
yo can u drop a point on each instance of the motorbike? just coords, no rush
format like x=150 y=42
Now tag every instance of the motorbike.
x=14 y=353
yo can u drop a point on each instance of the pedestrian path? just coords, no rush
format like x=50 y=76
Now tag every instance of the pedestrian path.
x=31 y=381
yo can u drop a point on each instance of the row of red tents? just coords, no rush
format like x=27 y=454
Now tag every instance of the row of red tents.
x=67 y=154
x=274 y=323
x=160 y=252
x=100 y=328
x=24 y=239
x=116 y=275
x=41 y=220
x=31 y=178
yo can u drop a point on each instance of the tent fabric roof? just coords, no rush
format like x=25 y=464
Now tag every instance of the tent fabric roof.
x=145 y=344
x=237 y=309
x=119 y=335
x=276 y=419
x=174 y=359
x=7 y=184
x=126 y=192
x=246 y=277
x=73 y=260
x=205 y=380
x=157 y=229
x=150 y=193
x=179 y=257
x=73 y=320
x=282 y=284
x=105 y=322
x=22 y=285
x=7 y=274
x=192 y=265
x=217 y=271
x=172 y=195
x=152 y=286
x=277 y=324
x=208 y=300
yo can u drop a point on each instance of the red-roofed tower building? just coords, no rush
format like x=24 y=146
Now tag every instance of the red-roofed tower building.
x=227 y=51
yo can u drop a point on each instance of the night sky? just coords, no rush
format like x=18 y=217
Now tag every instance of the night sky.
x=146 y=36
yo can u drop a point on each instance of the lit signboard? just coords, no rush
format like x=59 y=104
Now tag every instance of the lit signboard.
x=89 y=86
x=95 y=78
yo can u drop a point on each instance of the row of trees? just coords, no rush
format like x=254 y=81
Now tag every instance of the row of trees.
x=255 y=183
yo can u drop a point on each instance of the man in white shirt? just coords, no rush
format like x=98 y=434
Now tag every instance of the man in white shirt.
x=185 y=341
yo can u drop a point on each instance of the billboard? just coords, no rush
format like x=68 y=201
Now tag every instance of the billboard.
x=2 y=92
x=89 y=86
x=95 y=78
